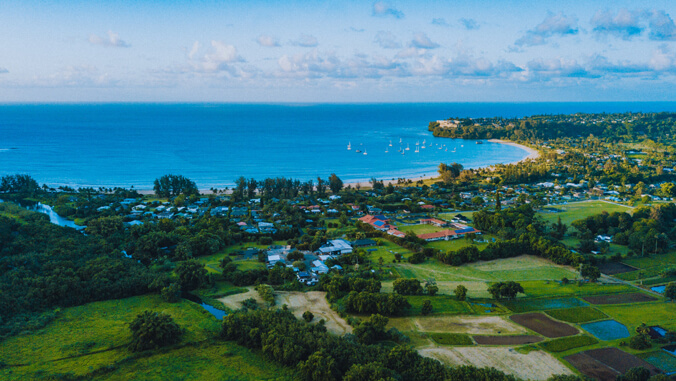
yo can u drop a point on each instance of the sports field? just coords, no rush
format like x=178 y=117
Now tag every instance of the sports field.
x=579 y=210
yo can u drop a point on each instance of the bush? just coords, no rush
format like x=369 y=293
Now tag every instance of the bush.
x=250 y=304
x=151 y=330
x=308 y=316
x=640 y=342
x=171 y=293
x=426 y=307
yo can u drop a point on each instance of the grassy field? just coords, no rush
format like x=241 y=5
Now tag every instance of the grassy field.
x=421 y=228
x=577 y=314
x=518 y=269
x=543 y=289
x=386 y=251
x=566 y=343
x=93 y=339
x=440 y=305
x=578 y=210
x=451 y=338
x=632 y=315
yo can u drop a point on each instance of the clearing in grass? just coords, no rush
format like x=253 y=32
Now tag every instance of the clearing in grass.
x=541 y=304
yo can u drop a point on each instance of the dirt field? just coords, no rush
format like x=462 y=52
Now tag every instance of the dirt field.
x=298 y=302
x=536 y=365
x=606 y=363
x=478 y=325
x=234 y=302
x=618 y=359
x=315 y=302
x=507 y=340
x=613 y=268
x=635 y=297
x=592 y=368
x=544 y=325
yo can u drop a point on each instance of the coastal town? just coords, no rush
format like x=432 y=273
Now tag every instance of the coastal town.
x=559 y=267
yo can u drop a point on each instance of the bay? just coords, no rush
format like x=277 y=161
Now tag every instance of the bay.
x=213 y=144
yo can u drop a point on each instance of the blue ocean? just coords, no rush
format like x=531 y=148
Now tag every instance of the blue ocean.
x=213 y=144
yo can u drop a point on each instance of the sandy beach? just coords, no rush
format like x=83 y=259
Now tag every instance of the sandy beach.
x=532 y=155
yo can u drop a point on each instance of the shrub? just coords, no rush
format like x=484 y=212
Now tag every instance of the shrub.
x=308 y=316
x=151 y=330
x=426 y=307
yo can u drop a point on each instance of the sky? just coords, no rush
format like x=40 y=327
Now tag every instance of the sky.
x=336 y=51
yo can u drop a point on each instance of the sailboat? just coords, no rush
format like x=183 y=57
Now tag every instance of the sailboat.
x=349 y=146
x=407 y=147
x=386 y=150
x=399 y=140
x=390 y=143
x=365 y=152
x=417 y=149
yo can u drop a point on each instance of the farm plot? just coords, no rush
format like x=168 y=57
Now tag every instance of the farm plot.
x=527 y=305
x=614 y=268
x=536 y=365
x=632 y=316
x=507 y=340
x=616 y=359
x=565 y=343
x=544 y=325
x=451 y=338
x=481 y=325
x=607 y=330
x=660 y=359
x=577 y=314
x=635 y=297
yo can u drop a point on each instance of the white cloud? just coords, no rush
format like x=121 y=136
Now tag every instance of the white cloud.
x=306 y=41
x=387 y=40
x=112 y=40
x=267 y=41
x=625 y=24
x=553 y=25
x=382 y=9
x=220 y=58
x=661 y=26
x=421 y=41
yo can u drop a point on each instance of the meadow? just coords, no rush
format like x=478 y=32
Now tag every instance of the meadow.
x=578 y=210
x=91 y=340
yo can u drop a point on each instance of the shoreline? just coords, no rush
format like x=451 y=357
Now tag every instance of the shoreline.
x=532 y=154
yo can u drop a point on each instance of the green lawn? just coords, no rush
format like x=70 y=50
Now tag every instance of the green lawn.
x=94 y=338
x=578 y=210
x=386 y=250
x=421 y=229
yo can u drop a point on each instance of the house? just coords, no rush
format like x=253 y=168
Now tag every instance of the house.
x=379 y=222
x=335 y=247
x=273 y=259
x=319 y=267
x=444 y=235
x=427 y=207
x=434 y=221
x=396 y=233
